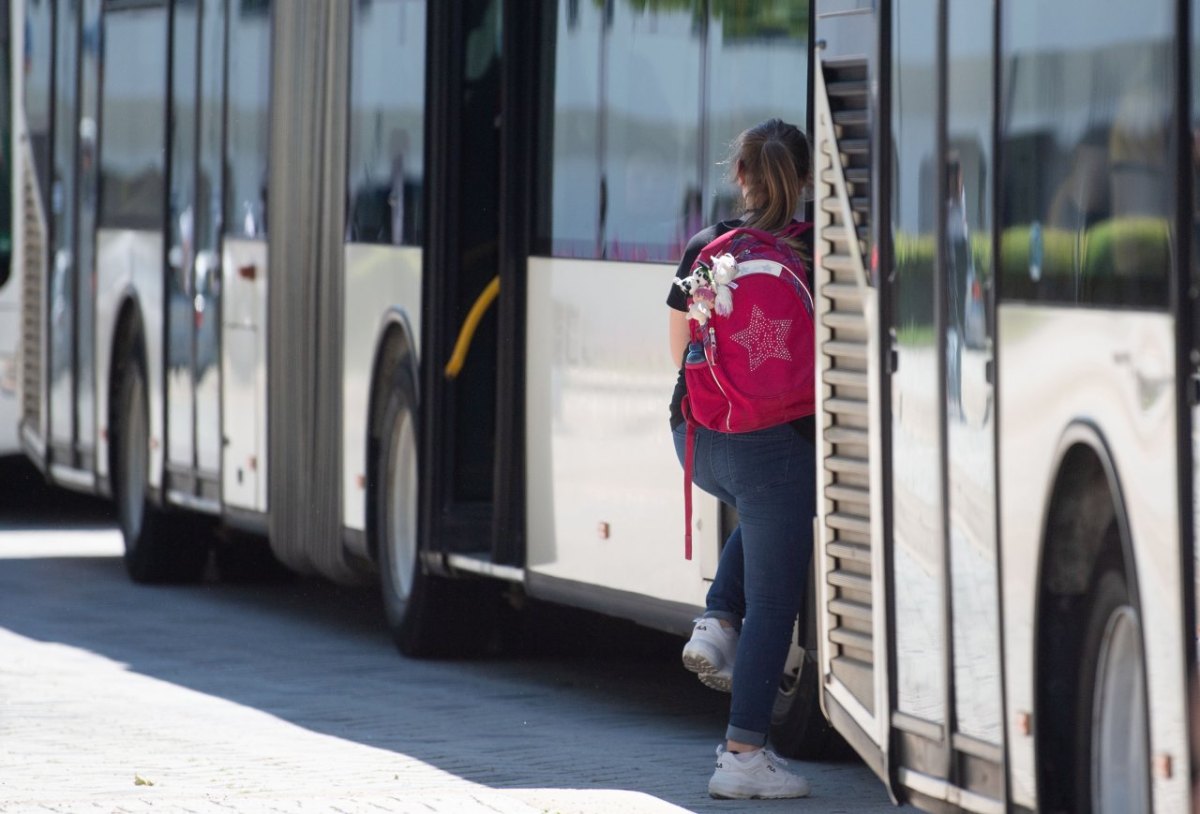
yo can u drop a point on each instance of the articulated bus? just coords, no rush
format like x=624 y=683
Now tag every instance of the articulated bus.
x=10 y=289
x=1006 y=220
x=258 y=243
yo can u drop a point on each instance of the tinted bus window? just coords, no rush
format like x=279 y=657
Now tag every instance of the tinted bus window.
x=37 y=53
x=757 y=68
x=5 y=158
x=642 y=105
x=132 y=119
x=248 y=119
x=387 y=122
x=626 y=154
x=917 y=504
x=1088 y=159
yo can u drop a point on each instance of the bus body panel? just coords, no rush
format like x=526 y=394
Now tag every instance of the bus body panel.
x=1112 y=370
x=605 y=488
x=129 y=265
x=244 y=364
x=10 y=337
x=378 y=279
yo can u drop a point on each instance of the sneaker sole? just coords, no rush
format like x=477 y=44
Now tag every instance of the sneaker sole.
x=707 y=672
x=718 y=796
x=721 y=682
x=699 y=664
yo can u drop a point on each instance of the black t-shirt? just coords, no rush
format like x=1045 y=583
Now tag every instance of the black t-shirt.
x=678 y=300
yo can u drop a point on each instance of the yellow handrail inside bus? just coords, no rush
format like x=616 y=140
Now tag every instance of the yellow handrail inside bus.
x=467 y=333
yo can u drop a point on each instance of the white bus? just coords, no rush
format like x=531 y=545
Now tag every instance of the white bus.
x=1007 y=277
x=252 y=232
x=10 y=288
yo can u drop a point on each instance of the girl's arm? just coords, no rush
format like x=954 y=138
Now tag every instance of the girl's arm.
x=679 y=334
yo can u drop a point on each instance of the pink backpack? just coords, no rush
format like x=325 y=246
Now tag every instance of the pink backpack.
x=751 y=361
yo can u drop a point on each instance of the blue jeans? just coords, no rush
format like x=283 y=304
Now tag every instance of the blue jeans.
x=769 y=476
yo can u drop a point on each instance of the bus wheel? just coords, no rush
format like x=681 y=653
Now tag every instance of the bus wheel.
x=1112 y=753
x=159 y=546
x=428 y=615
x=798 y=727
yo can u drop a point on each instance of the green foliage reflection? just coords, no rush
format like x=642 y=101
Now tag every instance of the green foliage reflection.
x=740 y=19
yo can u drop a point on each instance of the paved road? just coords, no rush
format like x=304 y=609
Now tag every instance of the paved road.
x=290 y=698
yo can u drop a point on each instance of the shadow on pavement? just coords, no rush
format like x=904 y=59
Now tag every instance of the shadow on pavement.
x=27 y=502
x=593 y=704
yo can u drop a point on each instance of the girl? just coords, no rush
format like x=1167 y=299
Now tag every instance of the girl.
x=769 y=476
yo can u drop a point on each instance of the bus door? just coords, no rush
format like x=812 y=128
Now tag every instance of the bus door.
x=850 y=550
x=947 y=714
x=73 y=199
x=193 y=284
x=470 y=408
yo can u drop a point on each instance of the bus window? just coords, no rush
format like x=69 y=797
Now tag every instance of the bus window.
x=387 y=123
x=1089 y=162
x=757 y=69
x=37 y=59
x=919 y=560
x=626 y=153
x=133 y=121
x=248 y=121
x=644 y=105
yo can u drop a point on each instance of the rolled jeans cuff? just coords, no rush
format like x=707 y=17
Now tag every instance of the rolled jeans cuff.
x=728 y=616
x=736 y=733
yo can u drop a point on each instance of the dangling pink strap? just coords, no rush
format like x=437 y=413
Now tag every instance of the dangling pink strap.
x=689 y=455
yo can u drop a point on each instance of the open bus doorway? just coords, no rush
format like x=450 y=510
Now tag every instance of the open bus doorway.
x=462 y=259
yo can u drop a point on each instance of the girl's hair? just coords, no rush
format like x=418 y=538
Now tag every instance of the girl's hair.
x=774 y=165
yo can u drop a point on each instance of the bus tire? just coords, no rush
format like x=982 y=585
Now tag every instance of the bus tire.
x=428 y=615
x=798 y=726
x=1112 y=753
x=160 y=546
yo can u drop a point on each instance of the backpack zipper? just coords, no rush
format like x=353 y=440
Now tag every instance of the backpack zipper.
x=711 y=356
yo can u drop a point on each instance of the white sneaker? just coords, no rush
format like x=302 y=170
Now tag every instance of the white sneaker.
x=710 y=653
x=759 y=775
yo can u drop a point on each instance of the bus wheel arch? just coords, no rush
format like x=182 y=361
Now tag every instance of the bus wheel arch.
x=159 y=545
x=1087 y=603
x=429 y=615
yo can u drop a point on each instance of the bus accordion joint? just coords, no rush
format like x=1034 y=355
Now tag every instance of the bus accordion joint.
x=467 y=332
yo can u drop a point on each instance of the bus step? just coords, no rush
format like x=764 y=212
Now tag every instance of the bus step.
x=858 y=676
x=852 y=638
x=840 y=234
x=845 y=378
x=855 y=552
x=851 y=350
x=847 y=435
x=851 y=609
x=850 y=117
x=847 y=465
x=856 y=407
x=854 y=146
x=834 y=207
x=846 y=88
x=841 y=291
x=858 y=175
x=849 y=522
x=849 y=494
x=850 y=581
x=845 y=320
x=839 y=262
